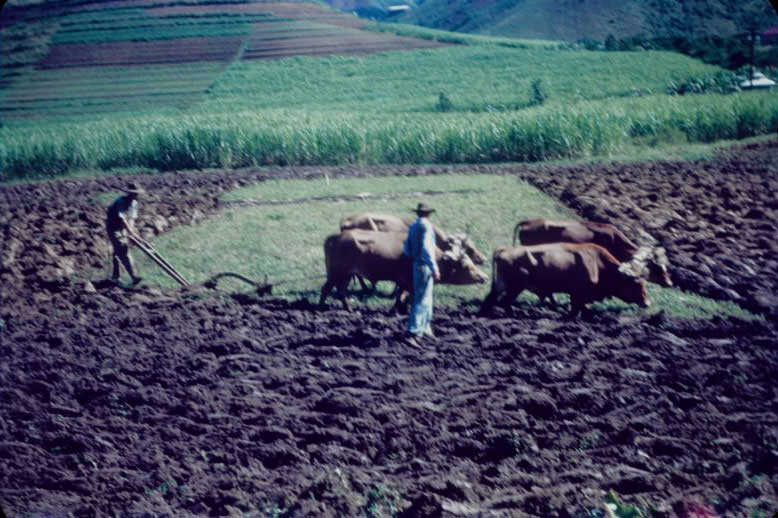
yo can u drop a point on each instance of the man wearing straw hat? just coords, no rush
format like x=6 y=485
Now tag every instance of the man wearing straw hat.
x=121 y=219
x=420 y=247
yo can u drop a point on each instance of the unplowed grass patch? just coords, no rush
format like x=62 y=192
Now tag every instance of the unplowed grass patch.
x=284 y=243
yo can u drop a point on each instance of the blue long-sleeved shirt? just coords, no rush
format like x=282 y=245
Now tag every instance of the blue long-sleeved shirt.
x=420 y=243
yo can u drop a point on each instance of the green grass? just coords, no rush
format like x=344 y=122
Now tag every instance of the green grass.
x=474 y=77
x=257 y=240
x=285 y=190
x=284 y=242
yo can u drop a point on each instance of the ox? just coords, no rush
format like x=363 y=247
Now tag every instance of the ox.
x=649 y=262
x=378 y=256
x=389 y=223
x=587 y=272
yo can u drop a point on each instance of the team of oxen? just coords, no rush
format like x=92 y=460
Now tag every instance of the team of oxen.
x=586 y=260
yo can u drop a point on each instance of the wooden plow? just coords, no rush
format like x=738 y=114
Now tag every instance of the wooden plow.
x=262 y=288
x=155 y=256
x=146 y=248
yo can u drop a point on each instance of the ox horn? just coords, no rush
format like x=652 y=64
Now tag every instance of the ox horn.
x=630 y=268
x=457 y=244
x=646 y=238
x=643 y=253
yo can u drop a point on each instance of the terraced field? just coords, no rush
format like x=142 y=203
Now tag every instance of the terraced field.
x=302 y=38
x=292 y=10
x=220 y=49
x=88 y=90
x=124 y=56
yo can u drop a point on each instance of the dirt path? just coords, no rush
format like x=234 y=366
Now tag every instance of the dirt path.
x=117 y=403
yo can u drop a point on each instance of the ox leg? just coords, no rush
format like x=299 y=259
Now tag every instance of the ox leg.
x=401 y=301
x=365 y=288
x=325 y=291
x=548 y=299
x=576 y=305
x=342 y=294
x=489 y=301
x=509 y=298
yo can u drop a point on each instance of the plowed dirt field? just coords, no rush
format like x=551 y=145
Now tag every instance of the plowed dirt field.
x=194 y=403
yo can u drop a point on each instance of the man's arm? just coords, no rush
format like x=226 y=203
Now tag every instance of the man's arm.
x=127 y=217
x=407 y=244
x=428 y=249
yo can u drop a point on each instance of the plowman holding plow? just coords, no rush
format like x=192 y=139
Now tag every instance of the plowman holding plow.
x=119 y=223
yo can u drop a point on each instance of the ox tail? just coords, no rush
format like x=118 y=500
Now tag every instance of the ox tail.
x=496 y=277
x=494 y=294
x=517 y=230
x=329 y=251
x=495 y=273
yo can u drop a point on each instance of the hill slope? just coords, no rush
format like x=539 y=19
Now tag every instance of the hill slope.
x=84 y=57
x=211 y=83
x=572 y=20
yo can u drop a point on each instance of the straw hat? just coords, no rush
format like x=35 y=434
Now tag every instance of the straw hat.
x=134 y=188
x=423 y=208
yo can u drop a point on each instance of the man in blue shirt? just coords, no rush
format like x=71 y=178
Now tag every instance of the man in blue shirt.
x=420 y=247
x=119 y=221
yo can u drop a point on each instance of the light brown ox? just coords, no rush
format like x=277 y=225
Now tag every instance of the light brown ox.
x=649 y=262
x=390 y=223
x=587 y=272
x=378 y=256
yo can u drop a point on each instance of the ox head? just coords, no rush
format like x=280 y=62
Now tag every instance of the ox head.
x=650 y=263
x=457 y=268
x=467 y=244
x=631 y=288
x=348 y=222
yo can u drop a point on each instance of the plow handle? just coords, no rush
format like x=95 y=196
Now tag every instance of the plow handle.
x=147 y=249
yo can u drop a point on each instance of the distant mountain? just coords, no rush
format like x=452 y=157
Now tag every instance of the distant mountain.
x=573 y=20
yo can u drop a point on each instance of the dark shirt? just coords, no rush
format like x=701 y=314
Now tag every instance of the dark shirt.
x=123 y=208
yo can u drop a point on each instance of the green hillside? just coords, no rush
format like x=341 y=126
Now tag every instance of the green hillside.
x=573 y=20
x=130 y=84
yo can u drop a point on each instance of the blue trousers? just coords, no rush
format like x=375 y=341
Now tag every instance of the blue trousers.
x=421 y=311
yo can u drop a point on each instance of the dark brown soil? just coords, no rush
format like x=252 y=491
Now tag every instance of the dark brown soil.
x=142 y=403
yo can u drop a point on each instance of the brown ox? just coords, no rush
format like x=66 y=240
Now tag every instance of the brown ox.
x=389 y=223
x=378 y=256
x=587 y=272
x=649 y=262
